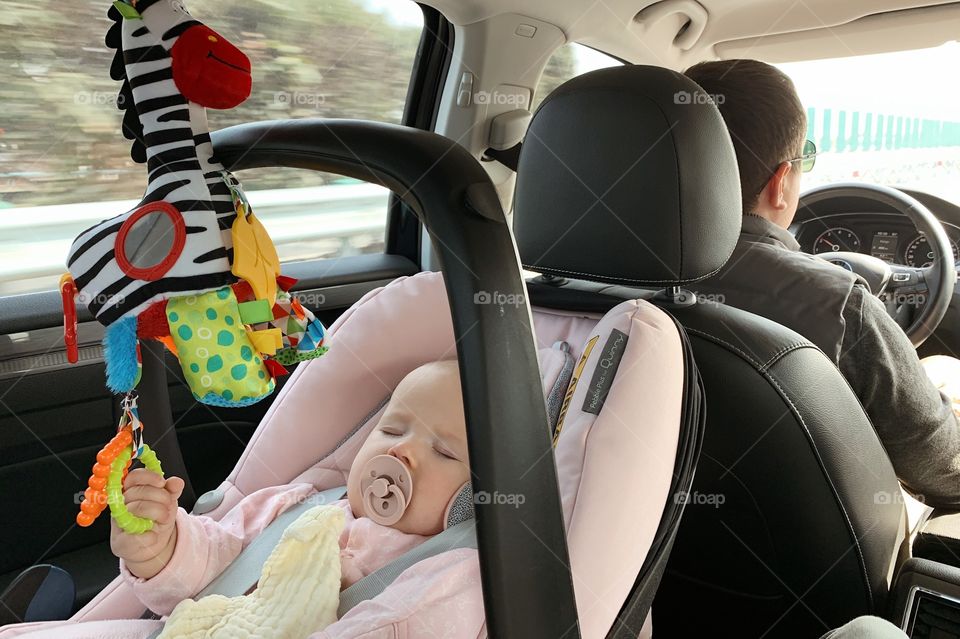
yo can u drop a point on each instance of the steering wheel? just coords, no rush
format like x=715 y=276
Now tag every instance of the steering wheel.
x=900 y=287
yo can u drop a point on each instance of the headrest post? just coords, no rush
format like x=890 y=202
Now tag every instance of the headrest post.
x=550 y=280
x=674 y=297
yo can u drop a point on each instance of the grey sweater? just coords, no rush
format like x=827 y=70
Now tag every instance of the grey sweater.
x=769 y=276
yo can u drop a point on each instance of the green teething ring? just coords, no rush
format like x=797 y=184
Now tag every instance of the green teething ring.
x=127 y=521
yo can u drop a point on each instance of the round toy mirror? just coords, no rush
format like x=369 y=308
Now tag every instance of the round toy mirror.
x=150 y=241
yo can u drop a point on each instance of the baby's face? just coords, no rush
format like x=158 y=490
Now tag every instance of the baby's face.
x=423 y=426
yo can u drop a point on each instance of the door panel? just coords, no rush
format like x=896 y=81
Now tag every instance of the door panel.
x=55 y=417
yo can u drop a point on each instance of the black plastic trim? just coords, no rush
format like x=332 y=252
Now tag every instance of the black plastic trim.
x=31 y=311
x=430 y=69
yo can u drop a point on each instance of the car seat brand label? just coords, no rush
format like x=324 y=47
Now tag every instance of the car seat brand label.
x=606 y=370
x=573 y=386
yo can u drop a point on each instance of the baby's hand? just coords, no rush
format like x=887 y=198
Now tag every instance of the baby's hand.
x=148 y=495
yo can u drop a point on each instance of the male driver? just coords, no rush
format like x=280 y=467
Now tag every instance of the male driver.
x=769 y=276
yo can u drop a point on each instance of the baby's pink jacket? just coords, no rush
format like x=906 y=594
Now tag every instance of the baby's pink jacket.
x=437 y=597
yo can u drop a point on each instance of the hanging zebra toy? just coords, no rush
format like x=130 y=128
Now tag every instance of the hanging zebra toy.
x=190 y=265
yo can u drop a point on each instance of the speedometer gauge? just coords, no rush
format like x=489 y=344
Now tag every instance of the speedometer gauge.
x=836 y=239
x=919 y=253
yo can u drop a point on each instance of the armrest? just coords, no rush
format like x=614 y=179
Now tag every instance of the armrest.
x=927 y=600
x=939 y=538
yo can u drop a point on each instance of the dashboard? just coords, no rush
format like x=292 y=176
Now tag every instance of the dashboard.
x=887 y=235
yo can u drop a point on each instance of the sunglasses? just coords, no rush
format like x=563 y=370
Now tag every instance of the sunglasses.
x=808 y=157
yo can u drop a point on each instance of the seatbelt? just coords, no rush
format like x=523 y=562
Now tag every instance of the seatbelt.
x=154 y=410
x=510 y=158
x=244 y=572
x=462 y=535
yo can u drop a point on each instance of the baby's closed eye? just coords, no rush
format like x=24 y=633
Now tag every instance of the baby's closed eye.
x=443 y=451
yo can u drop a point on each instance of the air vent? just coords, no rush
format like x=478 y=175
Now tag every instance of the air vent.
x=934 y=617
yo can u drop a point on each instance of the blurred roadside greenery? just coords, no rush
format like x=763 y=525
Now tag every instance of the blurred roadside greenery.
x=60 y=138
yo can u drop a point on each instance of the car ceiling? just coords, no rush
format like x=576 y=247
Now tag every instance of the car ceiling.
x=677 y=33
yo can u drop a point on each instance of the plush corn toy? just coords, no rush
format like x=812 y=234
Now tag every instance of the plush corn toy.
x=191 y=265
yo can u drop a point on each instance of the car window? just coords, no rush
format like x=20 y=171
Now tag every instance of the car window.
x=887 y=118
x=64 y=164
x=567 y=62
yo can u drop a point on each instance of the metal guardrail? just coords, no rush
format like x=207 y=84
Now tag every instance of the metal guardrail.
x=34 y=241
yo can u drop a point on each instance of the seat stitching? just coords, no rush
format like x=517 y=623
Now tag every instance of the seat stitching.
x=725 y=343
x=535 y=267
x=853 y=534
x=783 y=351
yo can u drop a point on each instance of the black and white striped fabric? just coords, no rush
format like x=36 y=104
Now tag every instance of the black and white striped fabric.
x=181 y=171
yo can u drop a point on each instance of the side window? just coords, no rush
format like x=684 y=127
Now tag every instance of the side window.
x=567 y=62
x=64 y=164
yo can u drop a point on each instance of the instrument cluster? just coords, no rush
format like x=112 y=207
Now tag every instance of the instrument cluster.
x=881 y=235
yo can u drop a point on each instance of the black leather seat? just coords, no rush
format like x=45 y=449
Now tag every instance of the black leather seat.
x=795 y=521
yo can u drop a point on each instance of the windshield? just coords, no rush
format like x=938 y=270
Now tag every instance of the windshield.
x=890 y=119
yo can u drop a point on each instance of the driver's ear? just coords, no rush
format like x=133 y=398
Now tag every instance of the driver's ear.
x=773 y=193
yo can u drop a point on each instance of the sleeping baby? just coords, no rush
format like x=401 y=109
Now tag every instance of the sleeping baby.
x=400 y=489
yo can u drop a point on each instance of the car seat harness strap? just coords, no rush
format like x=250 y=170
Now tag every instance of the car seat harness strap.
x=462 y=535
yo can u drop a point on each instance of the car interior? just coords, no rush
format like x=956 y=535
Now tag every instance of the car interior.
x=539 y=152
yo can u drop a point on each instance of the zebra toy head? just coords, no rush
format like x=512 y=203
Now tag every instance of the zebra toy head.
x=190 y=265
x=178 y=239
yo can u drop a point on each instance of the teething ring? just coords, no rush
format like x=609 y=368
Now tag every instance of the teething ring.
x=106 y=484
x=127 y=521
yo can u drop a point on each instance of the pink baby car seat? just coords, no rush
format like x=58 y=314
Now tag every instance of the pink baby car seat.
x=616 y=455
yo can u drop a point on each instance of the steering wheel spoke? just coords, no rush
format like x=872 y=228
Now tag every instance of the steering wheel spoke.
x=909 y=280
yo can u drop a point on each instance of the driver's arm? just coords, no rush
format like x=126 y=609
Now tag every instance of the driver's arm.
x=914 y=420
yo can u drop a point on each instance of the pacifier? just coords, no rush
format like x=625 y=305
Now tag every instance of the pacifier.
x=387 y=488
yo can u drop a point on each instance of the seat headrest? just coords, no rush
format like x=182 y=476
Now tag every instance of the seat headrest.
x=627 y=175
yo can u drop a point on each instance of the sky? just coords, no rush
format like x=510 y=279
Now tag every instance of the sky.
x=403 y=12
x=921 y=83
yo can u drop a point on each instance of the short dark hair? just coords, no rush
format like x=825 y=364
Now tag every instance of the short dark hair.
x=766 y=120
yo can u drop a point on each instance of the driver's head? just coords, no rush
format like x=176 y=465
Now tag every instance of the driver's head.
x=422 y=426
x=767 y=124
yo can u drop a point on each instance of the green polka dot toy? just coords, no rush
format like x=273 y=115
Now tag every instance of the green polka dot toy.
x=218 y=358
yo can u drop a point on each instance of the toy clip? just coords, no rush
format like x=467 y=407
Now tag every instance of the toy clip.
x=132 y=417
x=68 y=293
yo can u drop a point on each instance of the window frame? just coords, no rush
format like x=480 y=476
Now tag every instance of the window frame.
x=431 y=65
